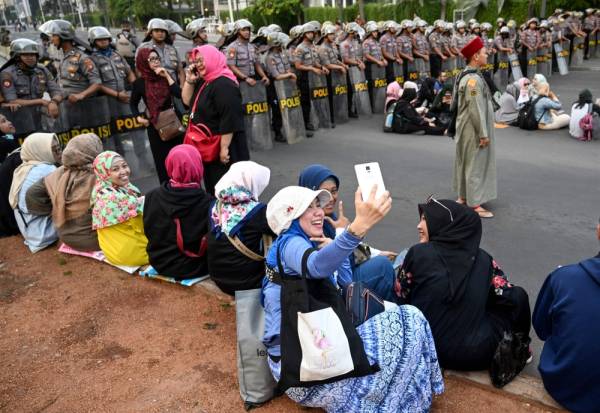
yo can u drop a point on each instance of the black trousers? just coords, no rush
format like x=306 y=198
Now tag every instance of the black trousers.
x=330 y=97
x=389 y=73
x=276 y=122
x=429 y=130
x=351 y=109
x=586 y=42
x=304 y=96
x=369 y=77
x=435 y=65
x=160 y=149
x=511 y=309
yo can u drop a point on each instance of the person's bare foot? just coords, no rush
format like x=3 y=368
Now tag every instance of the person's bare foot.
x=483 y=213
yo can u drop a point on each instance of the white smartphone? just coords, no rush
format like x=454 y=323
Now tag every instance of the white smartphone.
x=369 y=174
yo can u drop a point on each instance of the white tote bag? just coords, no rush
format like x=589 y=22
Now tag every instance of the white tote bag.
x=325 y=347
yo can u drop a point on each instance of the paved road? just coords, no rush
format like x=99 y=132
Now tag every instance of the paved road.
x=549 y=186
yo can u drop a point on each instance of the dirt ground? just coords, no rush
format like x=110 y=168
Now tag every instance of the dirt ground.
x=81 y=336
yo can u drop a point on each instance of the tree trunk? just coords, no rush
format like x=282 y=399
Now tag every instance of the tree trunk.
x=443 y=9
x=361 y=10
x=531 y=8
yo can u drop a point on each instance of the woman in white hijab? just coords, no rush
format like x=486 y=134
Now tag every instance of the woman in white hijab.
x=40 y=152
x=237 y=225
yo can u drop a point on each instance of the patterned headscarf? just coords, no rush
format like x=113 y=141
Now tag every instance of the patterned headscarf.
x=112 y=204
x=237 y=195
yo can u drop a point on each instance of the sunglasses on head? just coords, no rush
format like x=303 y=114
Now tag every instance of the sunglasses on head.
x=431 y=199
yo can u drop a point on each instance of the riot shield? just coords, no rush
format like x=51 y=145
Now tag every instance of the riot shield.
x=595 y=52
x=360 y=97
x=91 y=115
x=451 y=65
x=26 y=119
x=339 y=100
x=412 y=73
x=257 y=120
x=460 y=64
x=548 y=60
x=515 y=67
x=501 y=75
x=133 y=145
x=292 y=120
x=541 y=62
x=378 y=88
x=562 y=58
x=319 y=96
x=399 y=72
x=447 y=67
x=578 y=50
x=531 y=63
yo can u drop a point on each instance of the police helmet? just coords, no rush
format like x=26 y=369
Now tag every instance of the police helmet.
x=316 y=25
x=98 y=33
x=23 y=46
x=263 y=31
x=475 y=26
x=558 y=11
x=158 y=24
x=544 y=24
x=388 y=25
x=277 y=39
x=421 y=23
x=439 y=24
x=60 y=28
x=309 y=27
x=533 y=20
x=242 y=24
x=295 y=32
x=505 y=29
x=500 y=20
x=274 y=28
x=370 y=27
x=486 y=26
x=511 y=24
x=460 y=24
x=225 y=29
x=195 y=27
x=407 y=24
x=173 y=27
x=449 y=27
x=352 y=27
x=327 y=30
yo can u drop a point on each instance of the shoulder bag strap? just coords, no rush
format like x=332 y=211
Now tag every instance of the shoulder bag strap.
x=203 y=243
x=533 y=108
x=196 y=100
x=238 y=244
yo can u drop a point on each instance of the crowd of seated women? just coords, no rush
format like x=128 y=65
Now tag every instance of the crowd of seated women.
x=455 y=303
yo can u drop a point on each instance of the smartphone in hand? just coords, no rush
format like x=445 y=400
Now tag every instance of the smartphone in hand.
x=369 y=174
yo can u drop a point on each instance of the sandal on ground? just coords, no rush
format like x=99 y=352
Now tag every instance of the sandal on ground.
x=483 y=213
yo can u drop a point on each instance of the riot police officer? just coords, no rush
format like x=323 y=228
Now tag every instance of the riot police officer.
x=437 y=56
x=404 y=42
x=389 y=48
x=331 y=60
x=421 y=49
x=127 y=43
x=114 y=70
x=307 y=60
x=174 y=29
x=78 y=75
x=196 y=30
x=242 y=58
x=350 y=57
x=24 y=82
x=278 y=68
x=159 y=40
x=460 y=41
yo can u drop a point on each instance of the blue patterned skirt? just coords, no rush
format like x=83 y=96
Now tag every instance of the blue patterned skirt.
x=400 y=342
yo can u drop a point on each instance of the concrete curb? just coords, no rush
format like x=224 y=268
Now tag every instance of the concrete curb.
x=523 y=385
x=584 y=68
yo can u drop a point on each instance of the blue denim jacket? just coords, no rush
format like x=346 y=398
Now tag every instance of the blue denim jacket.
x=545 y=104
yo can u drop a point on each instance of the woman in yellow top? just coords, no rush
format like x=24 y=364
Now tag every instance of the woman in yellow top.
x=117 y=208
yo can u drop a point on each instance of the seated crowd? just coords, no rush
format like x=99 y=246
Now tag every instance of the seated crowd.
x=426 y=108
x=455 y=306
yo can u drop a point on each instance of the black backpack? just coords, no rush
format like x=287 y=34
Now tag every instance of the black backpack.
x=526 y=119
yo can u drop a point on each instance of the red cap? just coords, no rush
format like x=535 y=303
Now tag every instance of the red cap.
x=472 y=47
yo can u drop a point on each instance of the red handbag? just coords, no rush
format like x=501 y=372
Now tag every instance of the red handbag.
x=200 y=136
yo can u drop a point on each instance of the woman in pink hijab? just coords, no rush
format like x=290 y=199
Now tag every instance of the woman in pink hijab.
x=211 y=91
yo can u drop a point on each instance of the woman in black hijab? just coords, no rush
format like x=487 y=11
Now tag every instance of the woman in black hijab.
x=459 y=287
x=408 y=120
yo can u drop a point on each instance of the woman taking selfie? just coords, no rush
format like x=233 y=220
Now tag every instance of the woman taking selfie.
x=157 y=88
x=212 y=94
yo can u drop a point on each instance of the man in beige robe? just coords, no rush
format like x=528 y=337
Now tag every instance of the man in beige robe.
x=475 y=163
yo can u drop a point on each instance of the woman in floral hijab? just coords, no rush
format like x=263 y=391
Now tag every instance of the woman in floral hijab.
x=117 y=212
x=238 y=217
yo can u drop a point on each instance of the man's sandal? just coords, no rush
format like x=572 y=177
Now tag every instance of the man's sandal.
x=483 y=213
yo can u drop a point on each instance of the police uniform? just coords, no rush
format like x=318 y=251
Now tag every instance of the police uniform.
x=436 y=42
x=389 y=46
x=529 y=38
x=421 y=45
x=348 y=51
x=169 y=57
x=77 y=72
x=329 y=56
x=371 y=47
x=405 y=46
x=460 y=40
x=276 y=64
x=307 y=55
x=242 y=55
x=27 y=85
